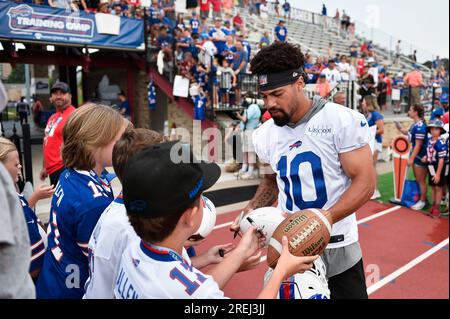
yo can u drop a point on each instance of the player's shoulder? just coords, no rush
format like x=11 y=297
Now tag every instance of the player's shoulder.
x=339 y=114
x=264 y=130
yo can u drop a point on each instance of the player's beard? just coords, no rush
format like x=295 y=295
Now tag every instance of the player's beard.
x=281 y=120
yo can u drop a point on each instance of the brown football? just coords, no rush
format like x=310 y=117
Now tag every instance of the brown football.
x=308 y=232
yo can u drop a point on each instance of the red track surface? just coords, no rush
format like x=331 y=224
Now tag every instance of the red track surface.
x=388 y=243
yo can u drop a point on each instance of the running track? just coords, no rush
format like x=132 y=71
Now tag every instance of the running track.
x=405 y=254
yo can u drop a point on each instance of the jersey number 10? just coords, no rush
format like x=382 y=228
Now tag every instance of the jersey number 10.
x=294 y=180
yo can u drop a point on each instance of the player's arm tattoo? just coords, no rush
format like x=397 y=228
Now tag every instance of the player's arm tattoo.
x=266 y=194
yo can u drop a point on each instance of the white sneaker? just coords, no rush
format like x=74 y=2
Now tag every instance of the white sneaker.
x=248 y=176
x=419 y=205
x=376 y=194
x=240 y=173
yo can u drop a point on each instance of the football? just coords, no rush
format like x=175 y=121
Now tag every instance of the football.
x=268 y=218
x=308 y=232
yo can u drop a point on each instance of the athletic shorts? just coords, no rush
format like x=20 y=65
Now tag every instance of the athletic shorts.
x=418 y=162
x=432 y=171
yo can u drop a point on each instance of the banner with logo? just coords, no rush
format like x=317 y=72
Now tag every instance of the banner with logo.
x=21 y=21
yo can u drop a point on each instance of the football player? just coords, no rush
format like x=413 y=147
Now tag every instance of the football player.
x=320 y=157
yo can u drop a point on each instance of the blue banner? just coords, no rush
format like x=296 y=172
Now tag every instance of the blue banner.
x=35 y=23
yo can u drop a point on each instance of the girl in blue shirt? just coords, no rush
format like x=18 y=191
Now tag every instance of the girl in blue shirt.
x=418 y=137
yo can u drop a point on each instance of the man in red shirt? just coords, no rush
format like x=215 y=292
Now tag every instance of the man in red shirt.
x=204 y=8
x=53 y=164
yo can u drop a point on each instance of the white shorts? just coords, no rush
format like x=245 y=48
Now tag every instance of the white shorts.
x=247 y=141
x=378 y=147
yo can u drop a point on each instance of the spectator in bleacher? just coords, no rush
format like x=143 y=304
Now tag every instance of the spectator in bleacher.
x=227 y=80
x=414 y=56
x=414 y=80
x=165 y=42
x=217 y=8
x=388 y=80
x=398 y=52
x=344 y=68
x=230 y=49
x=117 y=9
x=281 y=33
x=370 y=110
x=263 y=12
x=186 y=65
x=228 y=28
x=264 y=41
x=360 y=64
x=381 y=92
x=276 y=6
x=287 y=10
x=228 y=6
x=241 y=59
x=367 y=83
x=237 y=21
x=324 y=10
x=354 y=53
x=194 y=23
x=373 y=69
x=398 y=84
x=180 y=22
x=168 y=7
x=332 y=73
x=218 y=36
x=352 y=31
x=330 y=51
x=60 y=4
x=204 y=8
x=204 y=26
x=323 y=87
x=437 y=63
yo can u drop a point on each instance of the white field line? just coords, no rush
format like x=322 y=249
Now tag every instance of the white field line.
x=406 y=267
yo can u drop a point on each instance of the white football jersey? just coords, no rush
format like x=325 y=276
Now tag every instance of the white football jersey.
x=151 y=272
x=306 y=161
x=110 y=237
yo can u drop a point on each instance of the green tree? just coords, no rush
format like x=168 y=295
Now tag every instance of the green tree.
x=17 y=75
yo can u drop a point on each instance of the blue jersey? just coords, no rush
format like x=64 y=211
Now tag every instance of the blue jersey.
x=418 y=131
x=220 y=45
x=436 y=150
x=154 y=15
x=37 y=244
x=281 y=33
x=195 y=24
x=248 y=47
x=372 y=119
x=79 y=200
x=437 y=113
x=230 y=50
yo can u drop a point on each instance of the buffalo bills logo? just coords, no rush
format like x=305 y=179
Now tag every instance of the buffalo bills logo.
x=295 y=145
x=20 y=11
x=138 y=206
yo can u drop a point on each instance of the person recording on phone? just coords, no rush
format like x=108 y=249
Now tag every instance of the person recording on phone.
x=250 y=119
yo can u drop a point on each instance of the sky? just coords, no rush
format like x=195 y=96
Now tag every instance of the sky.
x=423 y=23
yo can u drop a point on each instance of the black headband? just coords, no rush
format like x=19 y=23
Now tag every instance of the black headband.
x=272 y=81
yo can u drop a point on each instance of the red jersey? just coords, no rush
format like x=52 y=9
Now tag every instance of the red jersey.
x=53 y=139
x=360 y=67
x=389 y=86
x=237 y=20
x=204 y=5
x=216 y=5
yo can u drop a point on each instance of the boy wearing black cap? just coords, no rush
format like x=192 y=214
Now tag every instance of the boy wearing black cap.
x=162 y=198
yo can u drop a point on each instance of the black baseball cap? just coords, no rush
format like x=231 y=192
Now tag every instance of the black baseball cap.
x=60 y=86
x=165 y=179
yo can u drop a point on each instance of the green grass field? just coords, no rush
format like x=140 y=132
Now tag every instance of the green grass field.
x=386 y=188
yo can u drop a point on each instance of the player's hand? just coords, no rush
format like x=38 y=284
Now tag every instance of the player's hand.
x=290 y=264
x=43 y=174
x=436 y=178
x=44 y=191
